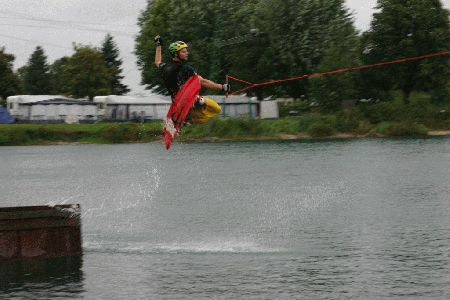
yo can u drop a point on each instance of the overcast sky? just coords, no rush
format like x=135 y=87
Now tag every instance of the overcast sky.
x=56 y=24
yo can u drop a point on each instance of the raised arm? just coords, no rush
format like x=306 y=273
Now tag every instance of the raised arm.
x=158 y=52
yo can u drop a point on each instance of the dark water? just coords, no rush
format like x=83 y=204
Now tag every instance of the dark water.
x=367 y=219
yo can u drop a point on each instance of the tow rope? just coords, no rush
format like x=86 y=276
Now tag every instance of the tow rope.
x=252 y=85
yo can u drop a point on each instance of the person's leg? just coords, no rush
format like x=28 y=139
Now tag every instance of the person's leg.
x=202 y=113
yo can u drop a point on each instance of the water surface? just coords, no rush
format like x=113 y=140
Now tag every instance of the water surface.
x=361 y=219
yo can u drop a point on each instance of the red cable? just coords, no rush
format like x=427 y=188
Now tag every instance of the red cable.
x=401 y=60
x=237 y=79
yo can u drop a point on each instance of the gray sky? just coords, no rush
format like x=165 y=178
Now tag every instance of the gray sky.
x=55 y=24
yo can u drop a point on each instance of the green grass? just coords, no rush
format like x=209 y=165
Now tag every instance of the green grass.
x=404 y=128
x=369 y=119
x=421 y=110
x=34 y=134
x=241 y=128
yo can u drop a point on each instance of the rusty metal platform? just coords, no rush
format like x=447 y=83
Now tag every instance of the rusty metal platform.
x=40 y=231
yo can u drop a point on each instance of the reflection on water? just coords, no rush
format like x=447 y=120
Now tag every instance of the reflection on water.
x=42 y=278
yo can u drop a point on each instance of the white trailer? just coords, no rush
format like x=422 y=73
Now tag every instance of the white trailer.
x=124 y=108
x=240 y=106
x=51 y=109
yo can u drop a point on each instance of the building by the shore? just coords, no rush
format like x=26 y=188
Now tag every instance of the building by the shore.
x=242 y=106
x=51 y=109
x=59 y=109
x=125 y=108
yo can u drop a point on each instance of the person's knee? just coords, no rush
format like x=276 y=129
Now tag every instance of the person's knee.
x=212 y=106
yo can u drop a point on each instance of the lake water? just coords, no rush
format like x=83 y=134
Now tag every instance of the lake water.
x=354 y=219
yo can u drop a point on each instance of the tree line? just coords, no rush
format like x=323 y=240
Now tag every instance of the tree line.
x=88 y=72
x=263 y=40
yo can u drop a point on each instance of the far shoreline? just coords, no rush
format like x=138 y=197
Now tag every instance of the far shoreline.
x=305 y=137
x=217 y=131
x=281 y=137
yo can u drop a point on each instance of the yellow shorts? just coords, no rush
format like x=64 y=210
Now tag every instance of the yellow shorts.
x=201 y=115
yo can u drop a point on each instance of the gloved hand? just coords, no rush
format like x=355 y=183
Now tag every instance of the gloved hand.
x=158 y=40
x=226 y=88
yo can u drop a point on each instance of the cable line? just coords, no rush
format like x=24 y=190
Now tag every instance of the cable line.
x=127 y=34
x=376 y=65
x=39 y=19
x=34 y=42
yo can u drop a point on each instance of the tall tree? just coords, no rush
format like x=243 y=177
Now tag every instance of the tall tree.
x=407 y=29
x=36 y=78
x=340 y=50
x=328 y=91
x=57 y=75
x=110 y=54
x=194 y=21
x=249 y=39
x=301 y=33
x=85 y=74
x=246 y=46
x=153 y=21
x=10 y=82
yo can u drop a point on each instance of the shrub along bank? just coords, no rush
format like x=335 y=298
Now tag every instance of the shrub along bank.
x=380 y=119
x=390 y=118
x=101 y=133
x=307 y=126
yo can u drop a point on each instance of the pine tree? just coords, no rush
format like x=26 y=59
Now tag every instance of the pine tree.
x=110 y=54
x=10 y=82
x=407 y=29
x=37 y=76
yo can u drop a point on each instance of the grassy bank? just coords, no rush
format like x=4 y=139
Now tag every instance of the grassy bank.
x=310 y=126
x=371 y=119
x=101 y=133
x=307 y=126
x=392 y=118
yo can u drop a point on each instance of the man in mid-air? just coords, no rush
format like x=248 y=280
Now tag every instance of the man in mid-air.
x=177 y=72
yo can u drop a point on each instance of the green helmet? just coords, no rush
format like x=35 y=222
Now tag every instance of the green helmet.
x=177 y=46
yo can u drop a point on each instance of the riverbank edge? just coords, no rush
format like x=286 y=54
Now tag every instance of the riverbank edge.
x=306 y=137
x=214 y=132
x=280 y=137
